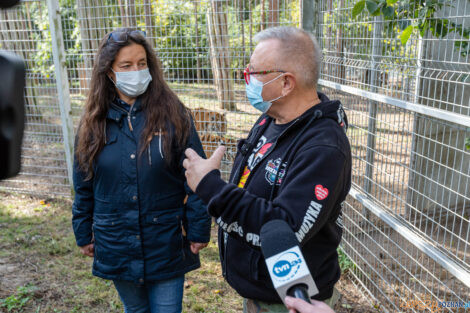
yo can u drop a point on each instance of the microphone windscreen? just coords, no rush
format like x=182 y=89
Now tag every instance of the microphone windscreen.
x=276 y=236
x=4 y=4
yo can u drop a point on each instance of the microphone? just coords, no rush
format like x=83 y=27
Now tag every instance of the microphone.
x=286 y=264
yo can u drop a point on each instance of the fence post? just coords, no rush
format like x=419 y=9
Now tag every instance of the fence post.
x=372 y=126
x=309 y=15
x=63 y=91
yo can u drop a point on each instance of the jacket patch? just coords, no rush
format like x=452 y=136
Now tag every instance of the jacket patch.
x=272 y=167
x=230 y=228
x=339 y=221
x=321 y=192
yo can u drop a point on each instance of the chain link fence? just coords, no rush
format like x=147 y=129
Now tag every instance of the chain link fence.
x=401 y=71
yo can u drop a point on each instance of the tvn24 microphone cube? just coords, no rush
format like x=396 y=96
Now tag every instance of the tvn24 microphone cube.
x=286 y=264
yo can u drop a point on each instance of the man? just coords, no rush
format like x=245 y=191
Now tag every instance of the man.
x=295 y=165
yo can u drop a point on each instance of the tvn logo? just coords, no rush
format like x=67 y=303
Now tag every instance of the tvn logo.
x=287 y=266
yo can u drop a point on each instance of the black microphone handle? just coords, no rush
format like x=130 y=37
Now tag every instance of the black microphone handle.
x=299 y=291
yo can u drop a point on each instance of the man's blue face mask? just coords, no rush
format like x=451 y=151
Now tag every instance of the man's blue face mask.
x=254 y=92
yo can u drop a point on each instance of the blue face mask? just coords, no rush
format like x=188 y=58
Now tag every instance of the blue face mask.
x=133 y=83
x=254 y=92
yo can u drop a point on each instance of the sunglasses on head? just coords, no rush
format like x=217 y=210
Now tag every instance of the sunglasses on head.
x=247 y=73
x=122 y=36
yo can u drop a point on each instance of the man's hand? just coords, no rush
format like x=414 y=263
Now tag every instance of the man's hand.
x=88 y=250
x=298 y=305
x=197 y=246
x=197 y=167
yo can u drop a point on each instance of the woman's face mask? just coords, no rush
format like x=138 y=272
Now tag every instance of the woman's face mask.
x=133 y=83
x=254 y=92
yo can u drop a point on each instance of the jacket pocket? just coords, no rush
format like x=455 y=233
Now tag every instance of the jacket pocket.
x=164 y=232
x=104 y=208
x=110 y=244
x=259 y=270
x=242 y=262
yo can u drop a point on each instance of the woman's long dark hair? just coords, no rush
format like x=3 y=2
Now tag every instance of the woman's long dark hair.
x=162 y=108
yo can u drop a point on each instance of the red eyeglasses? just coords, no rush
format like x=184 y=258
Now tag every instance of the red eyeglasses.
x=247 y=73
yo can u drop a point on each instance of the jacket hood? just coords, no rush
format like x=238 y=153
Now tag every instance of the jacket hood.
x=325 y=109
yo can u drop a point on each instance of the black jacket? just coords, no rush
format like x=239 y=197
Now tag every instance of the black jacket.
x=315 y=178
x=133 y=208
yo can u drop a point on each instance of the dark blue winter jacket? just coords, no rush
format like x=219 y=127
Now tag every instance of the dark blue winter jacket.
x=133 y=208
x=311 y=164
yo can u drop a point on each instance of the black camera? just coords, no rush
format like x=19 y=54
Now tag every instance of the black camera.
x=11 y=108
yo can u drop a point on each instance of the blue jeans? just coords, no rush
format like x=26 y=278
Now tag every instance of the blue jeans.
x=164 y=296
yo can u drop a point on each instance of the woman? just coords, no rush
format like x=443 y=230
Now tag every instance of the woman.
x=130 y=212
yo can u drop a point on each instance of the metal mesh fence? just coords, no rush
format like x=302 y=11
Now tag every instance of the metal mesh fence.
x=407 y=218
x=203 y=46
x=406 y=91
x=24 y=30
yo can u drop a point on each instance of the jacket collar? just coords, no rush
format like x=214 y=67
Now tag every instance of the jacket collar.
x=325 y=109
x=118 y=109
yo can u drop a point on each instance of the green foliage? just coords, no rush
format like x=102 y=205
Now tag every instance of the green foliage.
x=18 y=300
x=415 y=15
x=345 y=263
x=405 y=35
x=41 y=36
x=176 y=43
x=467 y=143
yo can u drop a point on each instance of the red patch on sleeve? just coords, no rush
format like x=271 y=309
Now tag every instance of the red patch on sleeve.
x=321 y=192
x=262 y=122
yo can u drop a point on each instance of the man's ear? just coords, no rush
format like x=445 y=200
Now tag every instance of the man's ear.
x=288 y=84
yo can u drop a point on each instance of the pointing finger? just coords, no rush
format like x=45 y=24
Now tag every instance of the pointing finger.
x=186 y=163
x=218 y=155
x=191 y=154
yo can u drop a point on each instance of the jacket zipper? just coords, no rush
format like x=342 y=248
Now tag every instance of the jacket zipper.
x=129 y=117
x=271 y=150
x=225 y=239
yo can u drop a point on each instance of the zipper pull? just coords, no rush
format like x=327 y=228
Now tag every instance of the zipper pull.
x=129 y=122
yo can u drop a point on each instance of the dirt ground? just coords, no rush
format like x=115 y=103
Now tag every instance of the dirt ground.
x=40 y=265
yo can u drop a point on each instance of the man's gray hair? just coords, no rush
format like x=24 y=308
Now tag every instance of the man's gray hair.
x=298 y=48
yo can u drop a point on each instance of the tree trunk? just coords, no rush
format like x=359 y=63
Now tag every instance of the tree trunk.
x=131 y=14
x=242 y=24
x=220 y=54
x=198 y=60
x=263 y=15
x=273 y=17
x=340 y=68
x=122 y=11
x=149 y=18
x=86 y=67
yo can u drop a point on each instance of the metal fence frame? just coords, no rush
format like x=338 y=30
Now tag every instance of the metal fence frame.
x=377 y=220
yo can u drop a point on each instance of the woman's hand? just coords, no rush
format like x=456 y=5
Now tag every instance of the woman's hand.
x=197 y=246
x=88 y=250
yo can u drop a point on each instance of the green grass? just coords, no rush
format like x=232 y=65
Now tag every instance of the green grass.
x=43 y=271
x=345 y=263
